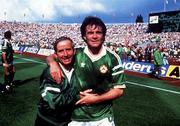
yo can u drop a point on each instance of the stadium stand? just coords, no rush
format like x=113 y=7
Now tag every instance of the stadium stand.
x=37 y=38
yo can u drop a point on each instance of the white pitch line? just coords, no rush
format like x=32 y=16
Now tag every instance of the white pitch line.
x=156 y=88
x=31 y=60
x=133 y=83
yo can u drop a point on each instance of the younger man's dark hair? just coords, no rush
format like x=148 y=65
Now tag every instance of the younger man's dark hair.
x=92 y=20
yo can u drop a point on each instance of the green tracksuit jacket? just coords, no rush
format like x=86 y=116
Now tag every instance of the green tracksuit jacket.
x=57 y=100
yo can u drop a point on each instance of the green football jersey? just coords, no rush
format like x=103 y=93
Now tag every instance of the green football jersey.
x=158 y=58
x=7 y=48
x=99 y=73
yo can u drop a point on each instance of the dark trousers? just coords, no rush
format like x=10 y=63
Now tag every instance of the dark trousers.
x=157 y=71
x=41 y=122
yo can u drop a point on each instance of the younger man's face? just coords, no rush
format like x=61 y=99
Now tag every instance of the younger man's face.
x=94 y=36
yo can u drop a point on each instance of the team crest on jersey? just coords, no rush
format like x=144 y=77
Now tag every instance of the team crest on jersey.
x=103 y=69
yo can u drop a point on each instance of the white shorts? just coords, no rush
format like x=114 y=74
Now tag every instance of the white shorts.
x=102 y=122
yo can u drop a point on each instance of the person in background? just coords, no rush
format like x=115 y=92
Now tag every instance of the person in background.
x=100 y=77
x=139 y=54
x=158 y=62
x=58 y=99
x=165 y=56
x=7 y=61
x=133 y=55
x=120 y=51
x=148 y=53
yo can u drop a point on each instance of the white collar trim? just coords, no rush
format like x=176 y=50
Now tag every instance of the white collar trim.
x=67 y=72
x=95 y=57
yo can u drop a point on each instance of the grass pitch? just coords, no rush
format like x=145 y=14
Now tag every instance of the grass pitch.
x=146 y=102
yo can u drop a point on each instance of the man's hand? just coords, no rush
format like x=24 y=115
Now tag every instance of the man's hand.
x=87 y=98
x=6 y=68
x=5 y=64
x=56 y=73
x=55 y=70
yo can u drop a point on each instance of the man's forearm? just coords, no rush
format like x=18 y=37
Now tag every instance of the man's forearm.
x=51 y=59
x=111 y=94
x=4 y=57
x=55 y=71
x=88 y=98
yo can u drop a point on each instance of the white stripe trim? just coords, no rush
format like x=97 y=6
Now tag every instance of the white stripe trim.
x=30 y=60
x=117 y=67
x=119 y=72
x=156 y=88
x=5 y=44
x=120 y=86
x=161 y=89
x=50 y=89
x=115 y=54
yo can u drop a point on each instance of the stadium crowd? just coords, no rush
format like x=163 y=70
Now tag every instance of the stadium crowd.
x=134 y=39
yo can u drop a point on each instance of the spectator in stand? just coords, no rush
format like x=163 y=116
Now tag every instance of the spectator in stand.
x=139 y=54
x=133 y=55
x=176 y=53
x=128 y=52
x=120 y=51
x=165 y=56
x=148 y=54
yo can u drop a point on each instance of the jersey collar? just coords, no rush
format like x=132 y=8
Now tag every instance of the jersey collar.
x=95 y=57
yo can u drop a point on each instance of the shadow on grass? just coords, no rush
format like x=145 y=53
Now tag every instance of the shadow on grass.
x=17 y=83
x=3 y=123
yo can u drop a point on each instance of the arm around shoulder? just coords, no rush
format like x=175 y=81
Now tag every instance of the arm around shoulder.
x=55 y=70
